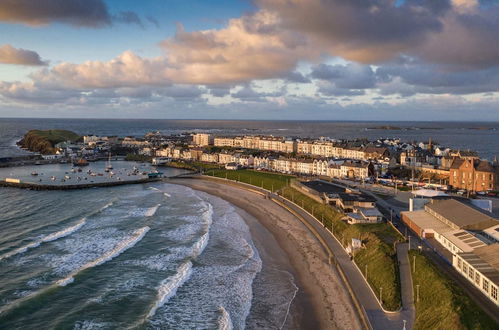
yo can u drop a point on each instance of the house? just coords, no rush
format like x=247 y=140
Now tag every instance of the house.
x=473 y=174
x=356 y=170
x=364 y=215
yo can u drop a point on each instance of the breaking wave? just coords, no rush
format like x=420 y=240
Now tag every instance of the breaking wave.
x=224 y=321
x=119 y=249
x=51 y=237
x=152 y=210
x=168 y=287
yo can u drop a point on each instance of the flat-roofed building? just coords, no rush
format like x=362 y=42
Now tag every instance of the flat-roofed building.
x=457 y=226
x=481 y=267
x=201 y=139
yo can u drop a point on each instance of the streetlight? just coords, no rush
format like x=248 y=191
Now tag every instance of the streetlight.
x=366 y=272
x=414 y=264
x=417 y=292
x=381 y=296
x=404 y=324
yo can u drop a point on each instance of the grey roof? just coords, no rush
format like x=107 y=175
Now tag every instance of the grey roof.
x=486 y=260
x=463 y=215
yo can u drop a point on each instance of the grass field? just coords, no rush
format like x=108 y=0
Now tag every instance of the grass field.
x=442 y=303
x=270 y=181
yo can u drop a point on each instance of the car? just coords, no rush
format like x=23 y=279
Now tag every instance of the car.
x=461 y=192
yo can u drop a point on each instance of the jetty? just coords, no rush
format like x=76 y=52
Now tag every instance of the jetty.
x=16 y=183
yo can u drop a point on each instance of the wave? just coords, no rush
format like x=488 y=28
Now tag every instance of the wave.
x=168 y=287
x=154 y=188
x=224 y=322
x=152 y=210
x=200 y=245
x=167 y=194
x=51 y=237
x=118 y=249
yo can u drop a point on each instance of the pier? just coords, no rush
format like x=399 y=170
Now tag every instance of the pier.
x=42 y=186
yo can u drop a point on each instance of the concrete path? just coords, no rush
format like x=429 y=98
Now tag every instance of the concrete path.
x=406 y=285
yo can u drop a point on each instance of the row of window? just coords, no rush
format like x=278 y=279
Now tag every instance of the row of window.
x=475 y=276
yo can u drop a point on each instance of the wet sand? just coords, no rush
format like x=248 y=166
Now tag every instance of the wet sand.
x=321 y=301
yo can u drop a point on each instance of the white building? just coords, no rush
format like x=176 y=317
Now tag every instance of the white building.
x=201 y=139
x=481 y=267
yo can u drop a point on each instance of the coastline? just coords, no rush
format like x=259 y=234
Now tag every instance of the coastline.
x=321 y=301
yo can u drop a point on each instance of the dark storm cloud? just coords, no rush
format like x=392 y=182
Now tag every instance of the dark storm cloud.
x=85 y=13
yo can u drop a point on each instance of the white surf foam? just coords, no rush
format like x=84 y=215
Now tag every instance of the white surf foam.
x=224 y=322
x=152 y=210
x=118 y=249
x=167 y=194
x=200 y=245
x=51 y=237
x=168 y=287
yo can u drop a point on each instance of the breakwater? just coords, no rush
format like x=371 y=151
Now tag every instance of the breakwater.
x=37 y=186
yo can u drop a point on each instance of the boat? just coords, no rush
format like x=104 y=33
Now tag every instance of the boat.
x=80 y=162
x=34 y=173
x=109 y=166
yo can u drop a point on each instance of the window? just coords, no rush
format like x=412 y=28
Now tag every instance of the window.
x=485 y=285
x=465 y=268
x=493 y=292
x=471 y=273
x=459 y=264
x=477 y=278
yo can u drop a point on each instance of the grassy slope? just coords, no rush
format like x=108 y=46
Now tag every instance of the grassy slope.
x=44 y=141
x=442 y=303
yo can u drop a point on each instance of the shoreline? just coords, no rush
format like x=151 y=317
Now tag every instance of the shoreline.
x=321 y=301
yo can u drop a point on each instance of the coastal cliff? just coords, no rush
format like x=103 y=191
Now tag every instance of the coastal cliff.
x=44 y=141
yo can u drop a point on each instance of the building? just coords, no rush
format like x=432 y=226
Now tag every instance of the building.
x=364 y=215
x=201 y=139
x=451 y=226
x=481 y=268
x=473 y=174
x=355 y=170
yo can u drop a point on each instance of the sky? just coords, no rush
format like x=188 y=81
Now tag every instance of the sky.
x=431 y=60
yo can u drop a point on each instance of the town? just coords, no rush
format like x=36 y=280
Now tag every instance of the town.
x=444 y=190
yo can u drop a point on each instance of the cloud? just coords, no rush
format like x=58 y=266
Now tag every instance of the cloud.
x=84 y=13
x=349 y=76
x=11 y=55
x=128 y=17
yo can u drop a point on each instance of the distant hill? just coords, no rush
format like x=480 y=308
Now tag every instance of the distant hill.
x=44 y=141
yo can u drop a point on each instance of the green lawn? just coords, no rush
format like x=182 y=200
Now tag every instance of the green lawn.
x=270 y=181
x=442 y=303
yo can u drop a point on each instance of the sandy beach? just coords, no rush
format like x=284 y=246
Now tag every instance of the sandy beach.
x=321 y=301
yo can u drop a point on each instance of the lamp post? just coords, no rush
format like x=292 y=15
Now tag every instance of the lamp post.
x=381 y=296
x=417 y=292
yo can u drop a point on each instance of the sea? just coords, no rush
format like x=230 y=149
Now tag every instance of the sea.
x=157 y=255
x=144 y=256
